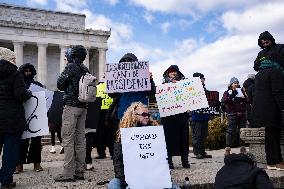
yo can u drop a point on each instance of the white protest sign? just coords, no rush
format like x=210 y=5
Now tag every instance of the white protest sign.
x=175 y=98
x=36 y=116
x=48 y=94
x=240 y=93
x=127 y=77
x=145 y=157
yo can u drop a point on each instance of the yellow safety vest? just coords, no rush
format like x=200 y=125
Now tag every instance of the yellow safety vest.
x=101 y=93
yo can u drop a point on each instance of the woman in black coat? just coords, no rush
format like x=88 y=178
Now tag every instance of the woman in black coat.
x=13 y=93
x=176 y=127
x=267 y=107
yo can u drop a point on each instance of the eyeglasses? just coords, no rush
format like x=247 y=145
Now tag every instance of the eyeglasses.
x=143 y=114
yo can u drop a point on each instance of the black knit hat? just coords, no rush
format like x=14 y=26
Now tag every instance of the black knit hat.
x=78 y=53
x=265 y=36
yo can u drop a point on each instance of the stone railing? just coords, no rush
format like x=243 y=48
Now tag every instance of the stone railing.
x=255 y=137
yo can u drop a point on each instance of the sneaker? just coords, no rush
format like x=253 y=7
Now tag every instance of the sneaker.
x=52 y=150
x=280 y=167
x=199 y=156
x=64 y=178
x=227 y=151
x=271 y=167
x=89 y=167
x=205 y=155
x=37 y=167
x=61 y=150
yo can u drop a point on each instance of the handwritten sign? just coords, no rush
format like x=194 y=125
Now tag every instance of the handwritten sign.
x=145 y=157
x=48 y=94
x=36 y=116
x=175 y=98
x=127 y=77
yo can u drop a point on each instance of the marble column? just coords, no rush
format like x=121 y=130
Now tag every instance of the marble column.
x=102 y=63
x=42 y=65
x=63 y=60
x=87 y=59
x=19 y=52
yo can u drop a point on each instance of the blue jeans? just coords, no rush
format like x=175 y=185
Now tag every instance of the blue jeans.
x=115 y=184
x=11 y=143
x=234 y=122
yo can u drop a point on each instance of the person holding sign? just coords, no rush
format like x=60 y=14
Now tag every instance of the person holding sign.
x=13 y=93
x=30 y=148
x=73 y=117
x=136 y=115
x=235 y=103
x=176 y=127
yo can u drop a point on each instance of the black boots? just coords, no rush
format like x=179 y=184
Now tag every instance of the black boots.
x=184 y=162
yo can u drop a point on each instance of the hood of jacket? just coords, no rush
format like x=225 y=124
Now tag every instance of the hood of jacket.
x=130 y=56
x=233 y=158
x=6 y=69
x=265 y=35
x=181 y=76
x=25 y=66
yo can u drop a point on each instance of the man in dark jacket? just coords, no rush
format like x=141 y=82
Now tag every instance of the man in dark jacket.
x=13 y=93
x=199 y=127
x=240 y=172
x=74 y=116
x=270 y=50
x=248 y=88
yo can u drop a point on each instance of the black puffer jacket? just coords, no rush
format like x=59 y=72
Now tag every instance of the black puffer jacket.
x=274 y=52
x=240 y=172
x=13 y=93
x=68 y=82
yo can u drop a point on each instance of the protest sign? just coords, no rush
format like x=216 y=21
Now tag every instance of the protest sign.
x=175 y=98
x=48 y=94
x=213 y=102
x=127 y=77
x=145 y=157
x=36 y=116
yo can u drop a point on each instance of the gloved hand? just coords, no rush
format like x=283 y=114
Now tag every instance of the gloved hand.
x=234 y=94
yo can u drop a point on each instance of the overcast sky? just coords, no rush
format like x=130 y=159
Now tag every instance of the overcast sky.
x=215 y=37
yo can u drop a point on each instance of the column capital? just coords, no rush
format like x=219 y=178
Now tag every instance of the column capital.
x=42 y=44
x=102 y=49
x=63 y=46
x=16 y=42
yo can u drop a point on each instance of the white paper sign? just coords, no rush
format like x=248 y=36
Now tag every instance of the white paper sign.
x=145 y=157
x=240 y=93
x=36 y=116
x=48 y=94
x=175 y=98
x=127 y=77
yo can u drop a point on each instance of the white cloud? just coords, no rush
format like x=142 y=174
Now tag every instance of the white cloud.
x=261 y=17
x=165 y=26
x=74 y=6
x=112 y=2
x=36 y=2
x=148 y=17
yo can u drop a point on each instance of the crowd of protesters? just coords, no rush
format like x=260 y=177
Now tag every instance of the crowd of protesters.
x=258 y=103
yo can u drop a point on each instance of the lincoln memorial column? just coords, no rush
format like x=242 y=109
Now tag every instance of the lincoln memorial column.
x=63 y=62
x=87 y=59
x=102 y=62
x=42 y=65
x=19 y=52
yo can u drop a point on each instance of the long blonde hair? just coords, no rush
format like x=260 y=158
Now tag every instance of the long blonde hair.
x=128 y=119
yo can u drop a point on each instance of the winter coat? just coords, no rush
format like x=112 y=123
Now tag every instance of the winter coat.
x=240 y=172
x=269 y=98
x=13 y=93
x=249 y=89
x=55 y=111
x=275 y=52
x=234 y=104
x=68 y=82
x=176 y=127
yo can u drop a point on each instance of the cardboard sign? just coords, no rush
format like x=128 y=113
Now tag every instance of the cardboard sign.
x=175 y=98
x=127 y=77
x=36 y=116
x=145 y=157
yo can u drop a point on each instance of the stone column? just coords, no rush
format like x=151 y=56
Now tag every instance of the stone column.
x=63 y=62
x=19 y=52
x=102 y=63
x=41 y=64
x=87 y=59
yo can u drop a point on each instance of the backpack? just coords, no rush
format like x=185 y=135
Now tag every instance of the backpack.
x=87 y=88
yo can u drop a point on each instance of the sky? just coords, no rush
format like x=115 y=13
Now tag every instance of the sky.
x=215 y=37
